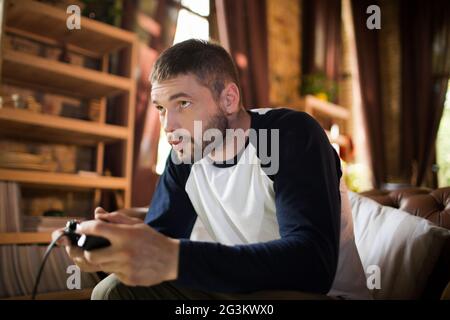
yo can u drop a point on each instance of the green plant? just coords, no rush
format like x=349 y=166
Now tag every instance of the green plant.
x=316 y=83
x=107 y=11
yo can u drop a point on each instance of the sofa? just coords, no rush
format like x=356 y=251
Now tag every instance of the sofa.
x=415 y=254
x=430 y=208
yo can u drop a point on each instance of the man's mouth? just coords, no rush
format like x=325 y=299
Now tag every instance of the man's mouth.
x=176 y=144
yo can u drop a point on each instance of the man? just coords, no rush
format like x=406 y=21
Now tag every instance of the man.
x=227 y=219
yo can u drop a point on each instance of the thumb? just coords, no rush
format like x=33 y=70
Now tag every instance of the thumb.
x=99 y=211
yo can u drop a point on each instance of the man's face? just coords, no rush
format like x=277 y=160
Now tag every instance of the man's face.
x=181 y=101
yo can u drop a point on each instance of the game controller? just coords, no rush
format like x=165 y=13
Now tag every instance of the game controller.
x=85 y=242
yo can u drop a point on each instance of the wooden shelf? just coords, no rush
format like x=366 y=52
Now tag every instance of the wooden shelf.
x=311 y=104
x=31 y=125
x=27 y=70
x=62 y=179
x=340 y=140
x=25 y=237
x=48 y=21
x=84 y=294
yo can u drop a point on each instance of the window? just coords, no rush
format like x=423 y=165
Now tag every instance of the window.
x=443 y=144
x=192 y=20
x=192 y=23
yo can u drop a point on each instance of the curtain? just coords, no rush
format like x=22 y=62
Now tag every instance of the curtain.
x=246 y=30
x=425 y=36
x=368 y=56
x=321 y=41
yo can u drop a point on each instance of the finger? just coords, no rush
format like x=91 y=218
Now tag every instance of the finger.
x=77 y=256
x=74 y=252
x=62 y=241
x=99 y=210
x=110 y=231
x=117 y=217
x=104 y=255
x=57 y=233
x=86 y=266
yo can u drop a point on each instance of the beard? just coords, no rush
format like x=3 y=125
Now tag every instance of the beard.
x=198 y=146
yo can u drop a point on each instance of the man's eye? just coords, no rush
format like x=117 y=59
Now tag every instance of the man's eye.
x=185 y=104
x=160 y=108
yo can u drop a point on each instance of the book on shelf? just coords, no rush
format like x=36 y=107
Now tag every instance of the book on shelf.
x=10 y=220
x=27 y=160
x=45 y=224
x=55 y=157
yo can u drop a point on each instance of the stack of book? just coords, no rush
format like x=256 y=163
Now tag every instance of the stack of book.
x=27 y=160
x=45 y=224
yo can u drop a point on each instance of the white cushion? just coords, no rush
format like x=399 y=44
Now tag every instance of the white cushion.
x=350 y=279
x=404 y=247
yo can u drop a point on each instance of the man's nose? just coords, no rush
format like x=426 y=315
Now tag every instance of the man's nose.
x=170 y=121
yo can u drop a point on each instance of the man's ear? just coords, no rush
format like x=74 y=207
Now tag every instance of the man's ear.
x=230 y=98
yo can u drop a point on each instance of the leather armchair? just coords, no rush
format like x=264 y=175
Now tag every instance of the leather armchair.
x=433 y=205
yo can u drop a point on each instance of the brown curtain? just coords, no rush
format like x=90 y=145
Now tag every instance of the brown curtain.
x=321 y=37
x=370 y=82
x=247 y=39
x=425 y=36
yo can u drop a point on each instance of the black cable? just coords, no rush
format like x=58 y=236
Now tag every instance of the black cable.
x=41 y=268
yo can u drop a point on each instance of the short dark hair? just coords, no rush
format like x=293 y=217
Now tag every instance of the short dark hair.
x=208 y=62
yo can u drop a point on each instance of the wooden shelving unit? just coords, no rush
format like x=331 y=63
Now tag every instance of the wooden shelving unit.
x=43 y=22
x=25 y=124
x=25 y=237
x=19 y=68
x=335 y=113
x=49 y=22
x=63 y=179
x=312 y=104
x=47 y=25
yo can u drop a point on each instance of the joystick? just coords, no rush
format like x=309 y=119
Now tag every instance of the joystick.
x=85 y=242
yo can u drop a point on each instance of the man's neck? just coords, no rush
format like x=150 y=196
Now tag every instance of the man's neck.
x=240 y=125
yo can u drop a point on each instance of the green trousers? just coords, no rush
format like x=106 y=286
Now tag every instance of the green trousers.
x=111 y=288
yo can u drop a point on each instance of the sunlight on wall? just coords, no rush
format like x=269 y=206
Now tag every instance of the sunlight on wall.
x=193 y=24
x=443 y=144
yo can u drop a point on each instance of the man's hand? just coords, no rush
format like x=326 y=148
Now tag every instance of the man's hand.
x=77 y=254
x=138 y=255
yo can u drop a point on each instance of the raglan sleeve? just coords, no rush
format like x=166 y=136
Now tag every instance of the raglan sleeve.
x=171 y=211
